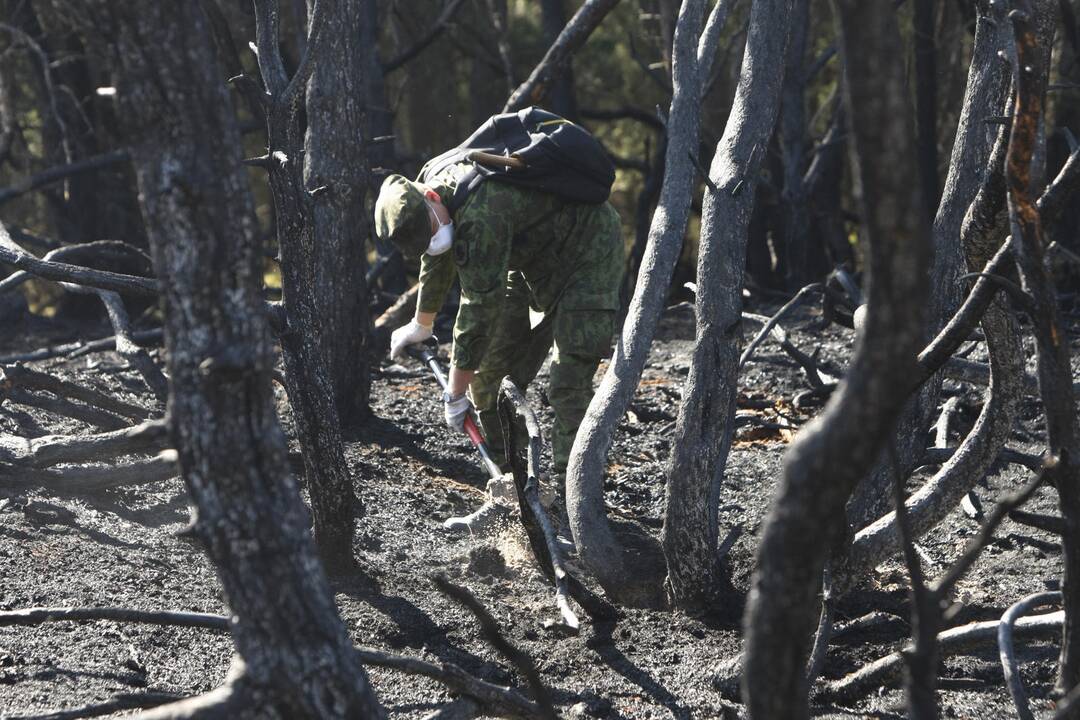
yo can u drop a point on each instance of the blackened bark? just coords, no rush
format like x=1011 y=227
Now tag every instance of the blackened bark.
x=831 y=454
x=336 y=160
x=706 y=415
x=333 y=503
x=561 y=97
x=296 y=658
x=1052 y=348
x=824 y=186
x=987 y=87
x=982 y=235
x=643 y=210
x=380 y=124
x=792 y=137
x=597 y=545
x=926 y=100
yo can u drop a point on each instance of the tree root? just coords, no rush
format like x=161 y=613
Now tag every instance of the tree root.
x=118 y=703
x=71 y=350
x=18 y=377
x=976 y=454
x=463 y=708
x=1050 y=523
x=887 y=670
x=62 y=406
x=1008 y=656
x=128 y=349
x=41 y=452
x=40 y=615
x=226 y=702
x=493 y=698
x=88 y=478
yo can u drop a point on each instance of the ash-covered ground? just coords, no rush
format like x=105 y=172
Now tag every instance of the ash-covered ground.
x=120 y=548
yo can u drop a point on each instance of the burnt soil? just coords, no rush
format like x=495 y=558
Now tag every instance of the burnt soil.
x=121 y=548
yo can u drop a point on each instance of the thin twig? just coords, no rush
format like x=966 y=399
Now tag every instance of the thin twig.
x=776 y=317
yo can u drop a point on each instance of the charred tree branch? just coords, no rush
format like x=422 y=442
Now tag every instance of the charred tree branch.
x=1009 y=665
x=61 y=172
x=490 y=630
x=573 y=36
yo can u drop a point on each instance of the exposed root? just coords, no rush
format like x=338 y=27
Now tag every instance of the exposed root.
x=143 y=338
x=492 y=698
x=1008 y=655
x=887 y=670
x=41 y=452
x=128 y=349
x=119 y=703
x=16 y=377
x=40 y=615
x=92 y=478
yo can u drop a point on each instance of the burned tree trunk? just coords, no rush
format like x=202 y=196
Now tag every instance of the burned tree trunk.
x=706 y=417
x=1052 y=348
x=333 y=502
x=832 y=453
x=562 y=99
x=926 y=100
x=792 y=137
x=987 y=88
x=294 y=656
x=598 y=547
x=336 y=162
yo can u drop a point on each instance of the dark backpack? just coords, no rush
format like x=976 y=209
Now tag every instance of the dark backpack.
x=531 y=148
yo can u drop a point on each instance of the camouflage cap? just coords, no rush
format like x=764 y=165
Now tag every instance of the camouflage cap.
x=401 y=216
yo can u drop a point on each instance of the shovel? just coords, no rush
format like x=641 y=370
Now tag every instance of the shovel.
x=427 y=352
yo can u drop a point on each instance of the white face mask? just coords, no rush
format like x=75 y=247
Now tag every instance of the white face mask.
x=443 y=237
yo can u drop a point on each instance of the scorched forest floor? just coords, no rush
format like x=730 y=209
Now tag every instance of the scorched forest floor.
x=121 y=548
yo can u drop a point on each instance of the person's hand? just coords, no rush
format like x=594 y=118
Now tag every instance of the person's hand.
x=408 y=335
x=455 y=410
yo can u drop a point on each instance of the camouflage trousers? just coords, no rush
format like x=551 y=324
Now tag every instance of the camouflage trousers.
x=518 y=351
x=578 y=329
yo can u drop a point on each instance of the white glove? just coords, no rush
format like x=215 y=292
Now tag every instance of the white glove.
x=455 y=410
x=407 y=335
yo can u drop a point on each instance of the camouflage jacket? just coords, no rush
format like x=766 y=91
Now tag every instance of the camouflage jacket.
x=502 y=228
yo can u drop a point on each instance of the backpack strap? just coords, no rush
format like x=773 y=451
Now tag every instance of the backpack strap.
x=468 y=182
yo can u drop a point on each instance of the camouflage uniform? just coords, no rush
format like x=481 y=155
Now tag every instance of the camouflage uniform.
x=516 y=249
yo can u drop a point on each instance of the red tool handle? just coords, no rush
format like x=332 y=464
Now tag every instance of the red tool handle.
x=473 y=431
